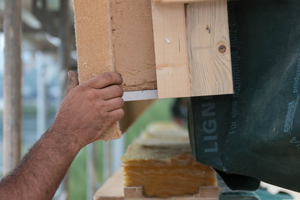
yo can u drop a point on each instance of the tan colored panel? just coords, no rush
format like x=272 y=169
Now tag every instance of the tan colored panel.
x=94 y=48
x=209 y=48
x=133 y=45
x=93 y=38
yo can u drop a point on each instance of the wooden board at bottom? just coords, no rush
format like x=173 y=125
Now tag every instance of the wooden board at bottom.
x=113 y=189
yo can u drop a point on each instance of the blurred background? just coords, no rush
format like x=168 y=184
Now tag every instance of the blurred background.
x=48 y=52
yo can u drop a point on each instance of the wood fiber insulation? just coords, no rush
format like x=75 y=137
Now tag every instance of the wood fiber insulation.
x=113 y=35
x=162 y=163
x=133 y=43
x=94 y=46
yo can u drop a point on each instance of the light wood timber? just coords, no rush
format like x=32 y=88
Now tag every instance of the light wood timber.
x=158 y=2
x=113 y=189
x=94 y=46
x=209 y=48
x=170 y=44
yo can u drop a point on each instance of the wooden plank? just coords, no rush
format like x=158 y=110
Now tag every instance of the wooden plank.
x=113 y=189
x=94 y=46
x=158 y=2
x=209 y=48
x=170 y=43
x=204 y=193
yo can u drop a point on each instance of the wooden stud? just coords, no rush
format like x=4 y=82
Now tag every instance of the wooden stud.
x=209 y=48
x=159 y=2
x=94 y=46
x=170 y=44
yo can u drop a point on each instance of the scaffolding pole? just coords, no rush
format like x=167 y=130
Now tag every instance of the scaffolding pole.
x=64 y=62
x=12 y=85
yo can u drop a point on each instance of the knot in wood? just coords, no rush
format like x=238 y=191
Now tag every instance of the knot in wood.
x=222 y=49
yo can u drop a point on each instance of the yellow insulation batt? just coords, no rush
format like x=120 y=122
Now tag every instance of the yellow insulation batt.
x=161 y=161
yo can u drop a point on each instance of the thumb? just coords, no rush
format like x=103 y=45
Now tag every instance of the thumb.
x=73 y=80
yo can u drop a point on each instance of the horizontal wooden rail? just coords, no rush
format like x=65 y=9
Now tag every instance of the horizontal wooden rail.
x=158 y=2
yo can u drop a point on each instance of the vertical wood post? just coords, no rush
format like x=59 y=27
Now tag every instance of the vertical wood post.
x=12 y=85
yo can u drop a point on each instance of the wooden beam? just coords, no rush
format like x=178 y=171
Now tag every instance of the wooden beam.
x=12 y=115
x=170 y=44
x=94 y=45
x=209 y=48
x=159 y=2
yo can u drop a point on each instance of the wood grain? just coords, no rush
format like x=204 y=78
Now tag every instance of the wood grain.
x=94 y=46
x=113 y=189
x=209 y=48
x=158 y=2
x=170 y=44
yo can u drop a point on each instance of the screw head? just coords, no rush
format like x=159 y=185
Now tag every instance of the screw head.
x=222 y=49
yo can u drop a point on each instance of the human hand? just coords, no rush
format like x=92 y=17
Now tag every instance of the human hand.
x=90 y=108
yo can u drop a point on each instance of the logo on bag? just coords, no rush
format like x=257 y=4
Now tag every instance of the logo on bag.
x=288 y=125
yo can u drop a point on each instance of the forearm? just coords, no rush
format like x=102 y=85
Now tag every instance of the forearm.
x=42 y=169
x=85 y=114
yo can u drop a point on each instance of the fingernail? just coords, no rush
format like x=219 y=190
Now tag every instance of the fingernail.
x=69 y=74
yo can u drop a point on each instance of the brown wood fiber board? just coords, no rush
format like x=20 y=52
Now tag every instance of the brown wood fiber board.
x=133 y=43
x=93 y=38
x=114 y=35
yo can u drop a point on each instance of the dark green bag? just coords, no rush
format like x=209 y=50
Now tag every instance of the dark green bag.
x=255 y=133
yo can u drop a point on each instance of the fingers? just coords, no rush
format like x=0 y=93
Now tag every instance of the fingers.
x=104 y=80
x=111 y=92
x=116 y=115
x=113 y=104
x=73 y=80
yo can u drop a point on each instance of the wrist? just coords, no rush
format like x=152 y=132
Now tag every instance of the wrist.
x=63 y=141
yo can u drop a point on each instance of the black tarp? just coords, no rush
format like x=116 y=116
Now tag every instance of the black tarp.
x=255 y=132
